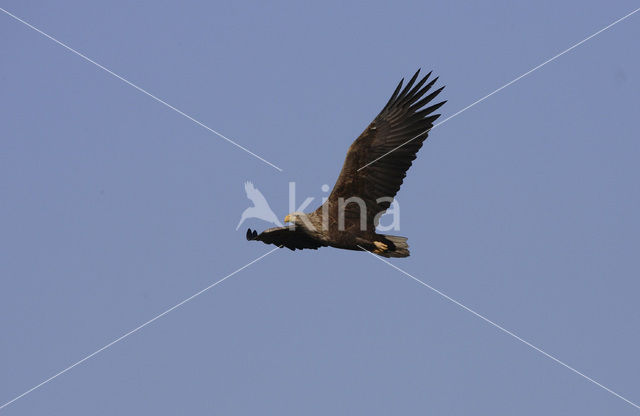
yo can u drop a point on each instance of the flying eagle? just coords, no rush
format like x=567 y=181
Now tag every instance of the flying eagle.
x=372 y=174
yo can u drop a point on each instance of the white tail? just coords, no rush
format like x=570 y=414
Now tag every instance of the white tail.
x=402 y=248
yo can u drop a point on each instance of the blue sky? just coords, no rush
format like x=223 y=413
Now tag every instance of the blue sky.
x=115 y=208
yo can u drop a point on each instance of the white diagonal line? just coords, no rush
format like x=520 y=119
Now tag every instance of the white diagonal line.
x=506 y=331
x=505 y=85
x=136 y=329
x=139 y=88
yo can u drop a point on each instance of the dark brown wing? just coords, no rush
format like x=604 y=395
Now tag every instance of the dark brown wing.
x=400 y=128
x=285 y=237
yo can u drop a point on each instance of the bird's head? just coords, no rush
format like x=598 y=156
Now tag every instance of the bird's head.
x=295 y=218
x=301 y=220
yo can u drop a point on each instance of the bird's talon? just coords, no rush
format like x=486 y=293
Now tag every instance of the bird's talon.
x=380 y=247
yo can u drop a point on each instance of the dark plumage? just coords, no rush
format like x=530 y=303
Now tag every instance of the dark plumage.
x=391 y=142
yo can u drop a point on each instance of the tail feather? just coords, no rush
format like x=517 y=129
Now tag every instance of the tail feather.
x=401 y=247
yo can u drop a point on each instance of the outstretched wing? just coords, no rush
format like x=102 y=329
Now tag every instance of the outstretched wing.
x=285 y=237
x=378 y=160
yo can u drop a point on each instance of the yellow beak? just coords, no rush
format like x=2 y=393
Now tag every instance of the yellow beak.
x=287 y=219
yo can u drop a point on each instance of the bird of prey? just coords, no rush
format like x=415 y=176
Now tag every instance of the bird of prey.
x=372 y=174
x=260 y=208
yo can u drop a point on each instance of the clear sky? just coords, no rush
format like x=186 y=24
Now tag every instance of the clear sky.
x=114 y=208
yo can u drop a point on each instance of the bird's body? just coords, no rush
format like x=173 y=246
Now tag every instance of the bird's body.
x=372 y=174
